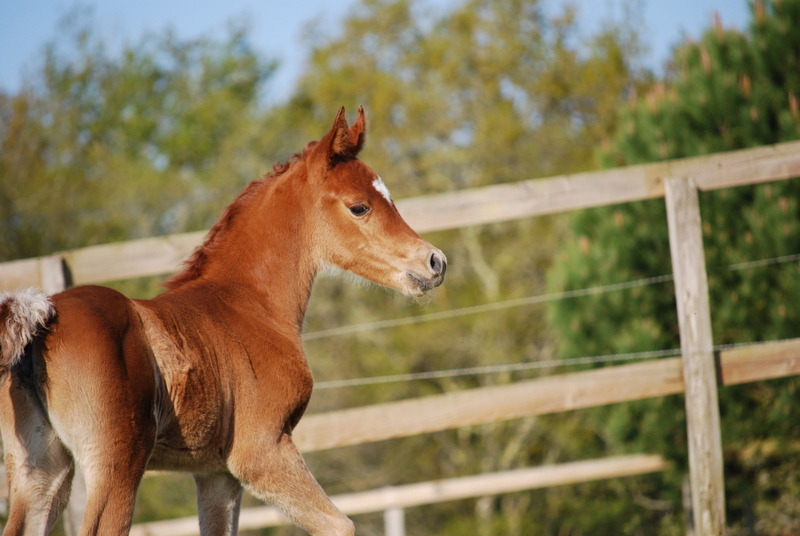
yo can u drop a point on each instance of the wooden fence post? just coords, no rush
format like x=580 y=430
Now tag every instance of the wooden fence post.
x=76 y=507
x=699 y=370
x=394 y=499
x=394 y=521
x=53 y=274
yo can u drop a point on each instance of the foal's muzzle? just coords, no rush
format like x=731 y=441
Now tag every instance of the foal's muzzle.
x=437 y=266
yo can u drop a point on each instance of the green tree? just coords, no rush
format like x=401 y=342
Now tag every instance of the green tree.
x=730 y=90
x=487 y=92
x=153 y=139
x=98 y=139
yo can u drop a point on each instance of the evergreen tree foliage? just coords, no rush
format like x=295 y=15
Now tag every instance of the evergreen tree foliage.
x=731 y=90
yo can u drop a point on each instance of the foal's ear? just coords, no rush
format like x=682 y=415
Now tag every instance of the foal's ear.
x=347 y=141
x=358 y=132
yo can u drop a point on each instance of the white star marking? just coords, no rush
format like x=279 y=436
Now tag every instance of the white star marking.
x=382 y=189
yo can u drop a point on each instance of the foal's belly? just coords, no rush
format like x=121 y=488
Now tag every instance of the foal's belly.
x=194 y=425
x=167 y=457
x=193 y=405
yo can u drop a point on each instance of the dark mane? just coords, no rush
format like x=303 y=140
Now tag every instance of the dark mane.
x=194 y=266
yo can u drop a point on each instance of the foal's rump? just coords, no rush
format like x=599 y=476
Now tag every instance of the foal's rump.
x=77 y=387
x=83 y=355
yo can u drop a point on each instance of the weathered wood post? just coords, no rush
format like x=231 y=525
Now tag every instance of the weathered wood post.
x=699 y=369
x=76 y=508
x=394 y=521
x=53 y=274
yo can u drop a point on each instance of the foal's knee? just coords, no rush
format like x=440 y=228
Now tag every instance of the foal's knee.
x=347 y=528
x=341 y=526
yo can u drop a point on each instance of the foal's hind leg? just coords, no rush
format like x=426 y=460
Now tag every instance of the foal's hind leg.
x=100 y=396
x=112 y=445
x=38 y=466
x=219 y=496
x=277 y=473
x=111 y=441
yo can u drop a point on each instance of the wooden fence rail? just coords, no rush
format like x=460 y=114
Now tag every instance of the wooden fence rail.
x=476 y=206
x=677 y=180
x=435 y=492
x=553 y=394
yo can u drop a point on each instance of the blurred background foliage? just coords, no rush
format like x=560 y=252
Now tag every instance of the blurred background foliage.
x=159 y=137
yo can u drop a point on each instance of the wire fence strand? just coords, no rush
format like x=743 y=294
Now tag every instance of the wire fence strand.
x=530 y=300
x=484 y=308
x=495 y=369
x=519 y=302
x=517 y=367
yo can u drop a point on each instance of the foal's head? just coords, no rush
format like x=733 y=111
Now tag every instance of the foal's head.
x=323 y=207
x=358 y=226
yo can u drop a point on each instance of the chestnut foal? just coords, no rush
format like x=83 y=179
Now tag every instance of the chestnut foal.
x=210 y=376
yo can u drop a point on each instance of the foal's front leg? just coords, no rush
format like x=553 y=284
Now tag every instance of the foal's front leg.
x=277 y=473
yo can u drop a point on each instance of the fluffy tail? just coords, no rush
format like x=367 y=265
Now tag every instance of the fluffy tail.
x=23 y=314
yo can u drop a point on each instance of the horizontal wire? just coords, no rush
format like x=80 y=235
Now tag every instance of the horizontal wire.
x=517 y=367
x=530 y=300
x=759 y=263
x=494 y=369
x=483 y=308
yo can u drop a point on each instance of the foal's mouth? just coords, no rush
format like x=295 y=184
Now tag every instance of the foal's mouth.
x=436 y=266
x=423 y=285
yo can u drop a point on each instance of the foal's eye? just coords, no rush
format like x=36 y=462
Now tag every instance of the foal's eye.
x=359 y=209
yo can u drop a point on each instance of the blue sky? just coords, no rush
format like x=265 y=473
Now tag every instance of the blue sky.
x=278 y=26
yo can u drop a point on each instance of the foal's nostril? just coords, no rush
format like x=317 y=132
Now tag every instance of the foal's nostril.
x=437 y=263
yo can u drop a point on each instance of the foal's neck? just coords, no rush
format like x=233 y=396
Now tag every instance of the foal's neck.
x=260 y=246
